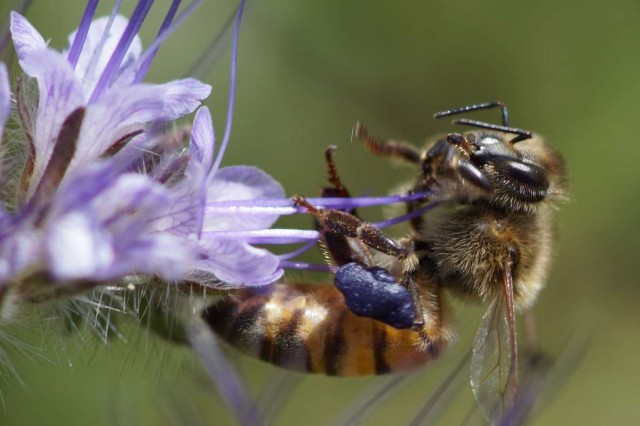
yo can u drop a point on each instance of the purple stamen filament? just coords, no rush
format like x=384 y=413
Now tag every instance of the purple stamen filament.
x=81 y=34
x=282 y=206
x=103 y=39
x=294 y=236
x=405 y=217
x=137 y=17
x=147 y=57
x=142 y=71
x=232 y=91
x=266 y=236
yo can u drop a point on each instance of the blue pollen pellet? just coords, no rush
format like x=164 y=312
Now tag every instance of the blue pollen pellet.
x=374 y=293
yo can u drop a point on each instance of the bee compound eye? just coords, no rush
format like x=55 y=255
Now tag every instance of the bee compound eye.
x=375 y=293
x=529 y=175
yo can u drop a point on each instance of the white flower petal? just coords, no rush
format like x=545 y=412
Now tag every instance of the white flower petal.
x=21 y=250
x=89 y=68
x=25 y=37
x=5 y=98
x=78 y=247
x=190 y=194
x=107 y=223
x=59 y=95
x=241 y=183
x=202 y=139
x=160 y=254
x=119 y=110
x=235 y=262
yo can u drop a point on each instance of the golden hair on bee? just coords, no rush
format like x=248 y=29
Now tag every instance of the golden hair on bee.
x=308 y=328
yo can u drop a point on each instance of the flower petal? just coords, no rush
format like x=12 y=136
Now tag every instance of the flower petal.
x=118 y=110
x=102 y=45
x=187 y=210
x=241 y=183
x=78 y=247
x=105 y=223
x=20 y=250
x=59 y=95
x=235 y=262
x=112 y=196
x=5 y=98
x=25 y=37
x=202 y=140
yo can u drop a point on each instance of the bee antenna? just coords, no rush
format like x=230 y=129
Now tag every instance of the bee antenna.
x=477 y=107
x=521 y=134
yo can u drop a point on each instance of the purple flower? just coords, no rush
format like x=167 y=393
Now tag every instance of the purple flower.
x=103 y=191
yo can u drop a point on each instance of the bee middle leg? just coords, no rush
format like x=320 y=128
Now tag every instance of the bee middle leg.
x=336 y=247
x=337 y=189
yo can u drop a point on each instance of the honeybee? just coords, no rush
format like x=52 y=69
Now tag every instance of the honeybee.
x=487 y=237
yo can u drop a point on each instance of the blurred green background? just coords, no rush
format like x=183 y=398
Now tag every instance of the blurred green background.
x=307 y=71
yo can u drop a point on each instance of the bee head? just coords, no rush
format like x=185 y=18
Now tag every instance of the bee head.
x=496 y=163
x=509 y=166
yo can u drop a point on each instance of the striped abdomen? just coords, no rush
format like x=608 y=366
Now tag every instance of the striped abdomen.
x=308 y=328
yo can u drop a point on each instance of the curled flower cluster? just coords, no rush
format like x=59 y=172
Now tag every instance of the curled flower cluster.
x=99 y=184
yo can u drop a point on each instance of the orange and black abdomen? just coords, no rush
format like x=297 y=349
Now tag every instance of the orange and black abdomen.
x=308 y=328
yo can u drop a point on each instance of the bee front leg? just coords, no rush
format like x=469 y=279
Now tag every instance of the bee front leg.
x=388 y=148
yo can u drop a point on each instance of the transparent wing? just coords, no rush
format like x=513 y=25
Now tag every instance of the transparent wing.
x=494 y=359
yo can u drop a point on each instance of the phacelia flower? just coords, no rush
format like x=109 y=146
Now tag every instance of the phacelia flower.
x=100 y=185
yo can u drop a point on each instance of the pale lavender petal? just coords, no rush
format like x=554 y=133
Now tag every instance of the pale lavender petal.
x=81 y=188
x=241 y=183
x=59 y=95
x=182 y=97
x=114 y=65
x=20 y=250
x=202 y=139
x=144 y=66
x=78 y=247
x=235 y=262
x=119 y=110
x=186 y=213
x=109 y=232
x=25 y=37
x=112 y=197
x=163 y=255
x=96 y=52
x=5 y=98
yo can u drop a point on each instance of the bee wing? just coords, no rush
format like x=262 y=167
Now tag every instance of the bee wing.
x=494 y=359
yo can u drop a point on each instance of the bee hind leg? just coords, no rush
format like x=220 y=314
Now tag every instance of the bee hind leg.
x=369 y=290
x=375 y=293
